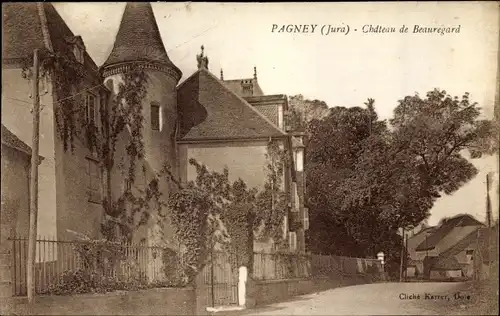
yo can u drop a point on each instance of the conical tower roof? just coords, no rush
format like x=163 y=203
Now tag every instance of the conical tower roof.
x=138 y=39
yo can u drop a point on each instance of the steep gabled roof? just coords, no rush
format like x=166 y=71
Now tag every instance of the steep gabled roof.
x=477 y=235
x=27 y=26
x=22 y=30
x=209 y=110
x=415 y=240
x=138 y=38
x=445 y=228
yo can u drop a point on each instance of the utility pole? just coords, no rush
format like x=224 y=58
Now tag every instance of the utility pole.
x=402 y=254
x=406 y=259
x=488 y=201
x=30 y=269
x=488 y=220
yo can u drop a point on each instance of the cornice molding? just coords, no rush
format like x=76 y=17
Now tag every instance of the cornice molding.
x=172 y=72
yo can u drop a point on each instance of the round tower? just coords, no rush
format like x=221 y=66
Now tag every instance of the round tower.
x=138 y=44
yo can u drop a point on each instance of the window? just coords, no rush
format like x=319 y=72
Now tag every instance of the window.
x=93 y=181
x=128 y=185
x=285 y=227
x=91 y=106
x=299 y=165
x=296 y=201
x=155 y=116
x=306 y=218
x=79 y=54
x=469 y=252
x=293 y=241
x=280 y=116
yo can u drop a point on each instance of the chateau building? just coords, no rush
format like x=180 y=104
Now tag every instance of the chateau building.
x=220 y=123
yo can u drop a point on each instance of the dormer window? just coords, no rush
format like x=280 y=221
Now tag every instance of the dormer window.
x=78 y=52
x=78 y=48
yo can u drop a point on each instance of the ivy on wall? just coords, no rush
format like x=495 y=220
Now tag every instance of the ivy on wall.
x=66 y=75
x=212 y=209
x=273 y=198
x=123 y=111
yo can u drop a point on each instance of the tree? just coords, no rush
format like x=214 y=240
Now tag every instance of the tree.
x=302 y=111
x=335 y=143
x=371 y=178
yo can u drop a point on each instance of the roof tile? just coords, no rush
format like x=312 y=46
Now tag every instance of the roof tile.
x=138 y=38
x=28 y=26
x=445 y=228
x=11 y=140
x=209 y=110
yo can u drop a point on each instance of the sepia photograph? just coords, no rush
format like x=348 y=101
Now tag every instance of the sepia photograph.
x=196 y=158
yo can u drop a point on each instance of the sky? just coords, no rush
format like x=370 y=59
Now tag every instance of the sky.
x=340 y=69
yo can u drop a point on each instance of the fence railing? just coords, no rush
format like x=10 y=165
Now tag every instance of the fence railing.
x=53 y=258
x=278 y=266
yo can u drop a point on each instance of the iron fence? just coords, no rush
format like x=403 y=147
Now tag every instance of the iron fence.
x=220 y=278
x=279 y=266
x=53 y=258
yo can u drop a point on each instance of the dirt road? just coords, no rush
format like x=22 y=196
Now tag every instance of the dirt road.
x=380 y=299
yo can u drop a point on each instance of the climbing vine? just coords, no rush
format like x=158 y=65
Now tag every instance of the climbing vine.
x=213 y=210
x=122 y=111
x=66 y=75
x=272 y=202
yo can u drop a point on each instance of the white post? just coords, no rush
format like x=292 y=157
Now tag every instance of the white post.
x=242 y=280
x=380 y=257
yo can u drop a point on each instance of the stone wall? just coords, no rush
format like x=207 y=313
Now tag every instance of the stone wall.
x=164 y=301
x=272 y=291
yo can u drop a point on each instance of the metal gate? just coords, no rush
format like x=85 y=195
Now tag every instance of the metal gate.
x=220 y=278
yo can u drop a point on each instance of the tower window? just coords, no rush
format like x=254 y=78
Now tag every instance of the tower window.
x=155 y=117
